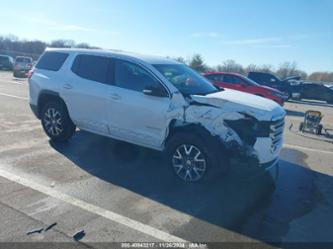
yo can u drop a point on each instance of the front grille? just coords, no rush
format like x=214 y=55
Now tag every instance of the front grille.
x=276 y=133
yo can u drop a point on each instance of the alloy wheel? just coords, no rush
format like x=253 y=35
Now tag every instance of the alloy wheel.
x=53 y=122
x=189 y=163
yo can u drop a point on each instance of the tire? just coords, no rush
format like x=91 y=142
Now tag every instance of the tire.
x=15 y=74
x=319 y=129
x=301 y=126
x=191 y=157
x=56 y=121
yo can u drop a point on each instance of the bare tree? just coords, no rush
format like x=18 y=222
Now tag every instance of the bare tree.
x=287 y=69
x=62 y=44
x=230 y=66
x=321 y=76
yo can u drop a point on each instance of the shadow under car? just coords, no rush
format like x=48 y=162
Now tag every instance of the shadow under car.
x=227 y=201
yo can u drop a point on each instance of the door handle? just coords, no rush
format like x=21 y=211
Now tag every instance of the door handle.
x=67 y=86
x=115 y=96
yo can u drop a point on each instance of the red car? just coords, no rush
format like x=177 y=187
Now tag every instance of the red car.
x=241 y=83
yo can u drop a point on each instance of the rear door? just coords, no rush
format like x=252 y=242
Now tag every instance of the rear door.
x=314 y=91
x=306 y=91
x=87 y=90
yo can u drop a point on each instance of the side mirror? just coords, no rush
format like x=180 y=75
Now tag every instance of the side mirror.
x=155 y=91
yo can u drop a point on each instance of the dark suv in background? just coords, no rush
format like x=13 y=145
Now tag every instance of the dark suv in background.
x=290 y=86
x=6 y=62
x=317 y=92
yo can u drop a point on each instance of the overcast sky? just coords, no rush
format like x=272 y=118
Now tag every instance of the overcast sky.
x=255 y=31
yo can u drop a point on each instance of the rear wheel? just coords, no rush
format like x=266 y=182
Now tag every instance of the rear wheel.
x=56 y=121
x=301 y=126
x=319 y=129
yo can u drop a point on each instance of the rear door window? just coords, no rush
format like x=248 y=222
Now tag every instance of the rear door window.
x=93 y=67
x=52 y=61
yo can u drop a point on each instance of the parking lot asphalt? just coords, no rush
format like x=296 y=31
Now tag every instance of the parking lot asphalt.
x=118 y=192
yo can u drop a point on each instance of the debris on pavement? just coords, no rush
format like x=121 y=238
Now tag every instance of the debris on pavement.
x=79 y=235
x=38 y=230
x=50 y=226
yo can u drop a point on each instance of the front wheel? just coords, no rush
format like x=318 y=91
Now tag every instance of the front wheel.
x=190 y=157
x=56 y=121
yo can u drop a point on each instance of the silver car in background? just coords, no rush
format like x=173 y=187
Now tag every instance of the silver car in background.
x=22 y=66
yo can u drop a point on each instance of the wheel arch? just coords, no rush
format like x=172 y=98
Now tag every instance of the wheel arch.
x=193 y=128
x=216 y=149
x=46 y=96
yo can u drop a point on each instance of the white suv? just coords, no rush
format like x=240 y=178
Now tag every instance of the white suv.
x=156 y=103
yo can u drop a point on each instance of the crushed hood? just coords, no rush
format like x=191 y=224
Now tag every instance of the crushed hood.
x=236 y=101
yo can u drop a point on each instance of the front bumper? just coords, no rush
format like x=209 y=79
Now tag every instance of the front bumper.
x=266 y=151
x=280 y=101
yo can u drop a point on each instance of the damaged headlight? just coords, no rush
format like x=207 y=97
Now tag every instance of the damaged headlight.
x=248 y=129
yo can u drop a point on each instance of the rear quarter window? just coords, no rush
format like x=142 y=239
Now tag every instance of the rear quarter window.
x=52 y=61
x=93 y=67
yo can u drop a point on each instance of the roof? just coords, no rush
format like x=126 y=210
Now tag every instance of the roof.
x=146 y=58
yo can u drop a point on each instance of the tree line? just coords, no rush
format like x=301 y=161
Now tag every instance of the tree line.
x=284 y=70
x=12 y=45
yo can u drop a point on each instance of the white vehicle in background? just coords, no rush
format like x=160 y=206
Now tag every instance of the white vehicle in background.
x=157 y=103
x=22 y=65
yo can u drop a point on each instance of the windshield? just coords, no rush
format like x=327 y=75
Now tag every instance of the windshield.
x=187 y=81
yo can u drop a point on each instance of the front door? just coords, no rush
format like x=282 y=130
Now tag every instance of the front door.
x=134 y=116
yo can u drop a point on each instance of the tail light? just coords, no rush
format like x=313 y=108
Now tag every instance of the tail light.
x=29 y=65
x=30 y=73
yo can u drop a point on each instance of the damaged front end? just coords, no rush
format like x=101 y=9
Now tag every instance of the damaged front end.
x=237 y=132
x=248 y=134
